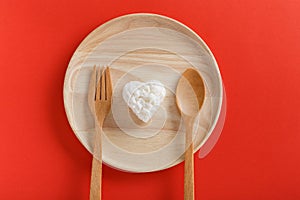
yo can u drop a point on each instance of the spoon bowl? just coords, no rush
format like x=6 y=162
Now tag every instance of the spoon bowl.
x=190 y=92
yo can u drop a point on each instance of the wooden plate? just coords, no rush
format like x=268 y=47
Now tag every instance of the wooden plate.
x=142 y=47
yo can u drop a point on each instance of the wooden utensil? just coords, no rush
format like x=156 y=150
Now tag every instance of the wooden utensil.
x=190 y=93
x=99 y=99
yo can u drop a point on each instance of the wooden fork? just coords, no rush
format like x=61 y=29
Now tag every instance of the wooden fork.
x=99 y=99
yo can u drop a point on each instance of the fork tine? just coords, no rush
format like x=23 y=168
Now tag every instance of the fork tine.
x=98 y=86
x=102 y=90
x=108 y=85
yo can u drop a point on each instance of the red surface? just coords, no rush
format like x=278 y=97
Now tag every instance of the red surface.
x=257 y=46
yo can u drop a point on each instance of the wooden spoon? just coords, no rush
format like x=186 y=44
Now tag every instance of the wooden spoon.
x=190 y=93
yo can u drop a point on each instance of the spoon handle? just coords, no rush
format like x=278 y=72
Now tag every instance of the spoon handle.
x=189 y=164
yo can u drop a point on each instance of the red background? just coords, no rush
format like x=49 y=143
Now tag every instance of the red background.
x=257 y=46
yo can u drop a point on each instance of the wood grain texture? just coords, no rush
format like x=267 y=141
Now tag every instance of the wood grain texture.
x=141 y=47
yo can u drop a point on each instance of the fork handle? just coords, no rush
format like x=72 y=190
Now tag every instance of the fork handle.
x=96 y=176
